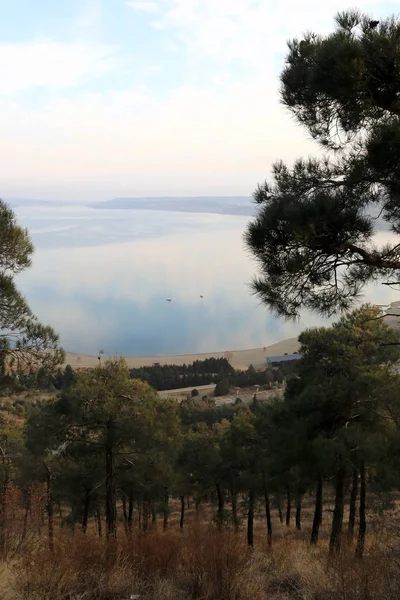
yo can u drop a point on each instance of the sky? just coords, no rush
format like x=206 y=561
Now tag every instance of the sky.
x=105 y=98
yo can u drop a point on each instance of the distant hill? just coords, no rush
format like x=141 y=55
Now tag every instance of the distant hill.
x=230 y=205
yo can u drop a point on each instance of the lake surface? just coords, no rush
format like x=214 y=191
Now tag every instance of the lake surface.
x=101 y=279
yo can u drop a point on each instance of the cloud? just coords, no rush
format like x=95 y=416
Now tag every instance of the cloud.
x=52 y=64
x=249 y=31
x=143 y=5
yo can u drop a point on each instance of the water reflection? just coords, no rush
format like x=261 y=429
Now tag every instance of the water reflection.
x=101 y=278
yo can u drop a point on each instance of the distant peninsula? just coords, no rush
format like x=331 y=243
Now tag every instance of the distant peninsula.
x=230 y=205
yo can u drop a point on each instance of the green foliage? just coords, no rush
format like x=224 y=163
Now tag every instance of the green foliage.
x=23 y=341
x=223 y=387
x=313 y=236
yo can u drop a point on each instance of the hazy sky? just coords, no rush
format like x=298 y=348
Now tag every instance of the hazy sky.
x=101 y=98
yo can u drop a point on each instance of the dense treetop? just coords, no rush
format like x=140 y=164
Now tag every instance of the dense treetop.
x=313 y=237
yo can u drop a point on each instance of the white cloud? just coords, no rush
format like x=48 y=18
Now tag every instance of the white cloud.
x=52 y=64
x=143 y=5
x=251 y=31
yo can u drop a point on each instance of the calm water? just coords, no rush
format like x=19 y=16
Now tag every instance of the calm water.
x=101 y=279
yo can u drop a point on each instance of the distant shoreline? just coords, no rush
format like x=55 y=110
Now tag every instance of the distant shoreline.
x=239 y=359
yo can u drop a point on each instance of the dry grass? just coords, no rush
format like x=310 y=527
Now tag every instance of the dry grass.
x=199 y=564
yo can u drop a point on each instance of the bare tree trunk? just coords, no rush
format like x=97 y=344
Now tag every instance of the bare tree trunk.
x=26 y=513
x=353 y=507
x=235 y=519
x=279 y=505
x=220 y=511
x=250 y=520
x=153 y=513
x=130 y=510
x=288 y=506
x=125 y=514
x=4 y=511
x=267 y=511
x=86 y=506
x=298 y=511
x=182 y=498
x=111 y=503
x=99 y=526
x=145 y=515
x=363 y=520
x=166 y=510
x=317 y=512
x=337 y=522
x=49 y=509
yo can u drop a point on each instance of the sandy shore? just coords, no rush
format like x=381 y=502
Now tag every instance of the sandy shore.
x=240 y=359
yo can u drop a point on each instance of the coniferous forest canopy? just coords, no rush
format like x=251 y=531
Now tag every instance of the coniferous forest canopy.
x=110 y=491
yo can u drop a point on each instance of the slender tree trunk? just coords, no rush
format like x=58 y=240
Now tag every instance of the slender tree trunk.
x=197 y=505
x=235 y=519
x=140 y=516
x=166 y=510
x=99 y=526
x=49 y=509
x=220 y=512
x=153 y=513
x=317 y=512
x=298 y=511
x=26 y=513
x=4 y=511
x=125 y=514
x=268 y=517
x=60 y=512
x=111 y=503
x=363 y=520
x=250 y=520
x=337 y=522
x=182 y=498
x=267 y=511
x=130 y=511
x=279 y=505
x=353 y=507
x=288 y=506
x=145 y=515
x=86 y=506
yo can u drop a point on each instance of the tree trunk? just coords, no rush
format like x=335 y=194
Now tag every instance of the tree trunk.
x=288 y=506
x=99 y=527
x=166 y=510
x=363 y=520
x=111 y=503
x=153 y=513
x=125 y=513
x=182 y=498
x=26 y=513
x=250 y=520
x=235 y=519
x=49 y=509
x=279 y=505
x=298 y=511
x=267 y=511
x=130 y=511
x=86 y=506
x=317 y=512
x=353 y=507
x=4 y=515
x=220 y=511
x=337 y=522
x=145 y=515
